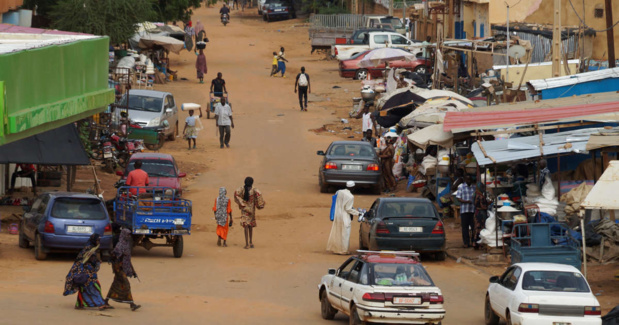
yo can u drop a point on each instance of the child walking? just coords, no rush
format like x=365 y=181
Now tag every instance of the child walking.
x=274 y=69
x=192 y=127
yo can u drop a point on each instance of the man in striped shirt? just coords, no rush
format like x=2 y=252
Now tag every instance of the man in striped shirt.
x=466 y=194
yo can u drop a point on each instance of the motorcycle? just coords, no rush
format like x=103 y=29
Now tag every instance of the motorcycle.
x=125 y=148
x=225 y=19
x=110 y=156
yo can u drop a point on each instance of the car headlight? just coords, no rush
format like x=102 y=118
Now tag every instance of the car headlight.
x=154 y=122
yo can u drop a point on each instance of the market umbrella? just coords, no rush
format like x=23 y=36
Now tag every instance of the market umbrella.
x=384 y=55
x=168 y=43
x=389 y=117
x=405 y=97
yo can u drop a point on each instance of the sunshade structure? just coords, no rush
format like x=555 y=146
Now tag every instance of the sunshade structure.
x=60 y=146
x=385 y=55
x=169 y=43
x=606 y=138
x=432 y=112
x=520 y=148
x=604 y=193
x=432 y=135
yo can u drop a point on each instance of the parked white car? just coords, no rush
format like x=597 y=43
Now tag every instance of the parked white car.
x=383 y=287
x=541 y=294
x=376 y=40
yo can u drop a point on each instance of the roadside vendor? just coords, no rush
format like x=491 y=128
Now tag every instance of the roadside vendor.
x=137 y=177
x=24 y=170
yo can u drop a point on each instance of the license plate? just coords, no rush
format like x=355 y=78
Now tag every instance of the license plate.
x=407 y=300
x=278 y=9
x=179 y=222
x=411 y=229
x=79 y=229
x=107 y=155
x=351 y=167
x=142 y=231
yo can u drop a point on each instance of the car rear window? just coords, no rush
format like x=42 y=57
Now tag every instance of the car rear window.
x=554 y=281
x=155 y=167
x=143 y=103
x=76 y=208
x=352 y=150
x=397 y=275
x=395 y=22
x=407 y=209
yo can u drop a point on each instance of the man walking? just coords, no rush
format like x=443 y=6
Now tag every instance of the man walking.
x=339 y=239
x=303 y=83
x=218 y=86
x=223 y=120
x=466 y=194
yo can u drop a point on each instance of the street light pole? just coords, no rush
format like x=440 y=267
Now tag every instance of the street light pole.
x=508 y=41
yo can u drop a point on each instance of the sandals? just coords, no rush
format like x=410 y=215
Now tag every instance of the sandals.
x=135 y=307
x=104 y=307
x=251 y=245
x=246 y=247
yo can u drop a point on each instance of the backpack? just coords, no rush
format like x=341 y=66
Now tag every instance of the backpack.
x=302 y=80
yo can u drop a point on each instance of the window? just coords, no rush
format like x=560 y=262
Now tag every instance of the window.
x=598 y=13
x=74 y=208
x=345 y=269
x=397 y=39
x=352 y=150
x=155 y=167
x=169 y=102
x=554 y=281
x=395 y=274
x=394 y=22
x=381 y=39
x=43 y=205
x=510 y=279
x=355 y=273
x=37 y=204
x=407 y=209
x=143 y=103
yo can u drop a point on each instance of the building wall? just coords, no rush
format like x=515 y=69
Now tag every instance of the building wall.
x=476 y=19
x=541 y=12
x=6 y=5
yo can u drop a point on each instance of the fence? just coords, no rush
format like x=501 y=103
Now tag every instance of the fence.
x=337 y=21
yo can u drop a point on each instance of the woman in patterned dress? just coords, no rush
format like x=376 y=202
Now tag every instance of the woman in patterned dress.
x=222 y=210
x=85 y=269
x=248 y=199
x=120 y=291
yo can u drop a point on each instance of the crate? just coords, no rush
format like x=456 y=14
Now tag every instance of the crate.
x=148 y=135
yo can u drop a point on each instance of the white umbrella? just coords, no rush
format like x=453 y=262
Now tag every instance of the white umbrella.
x=383 y=55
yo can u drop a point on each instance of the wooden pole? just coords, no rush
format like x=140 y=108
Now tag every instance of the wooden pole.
x=610 y=34
x=556 y=40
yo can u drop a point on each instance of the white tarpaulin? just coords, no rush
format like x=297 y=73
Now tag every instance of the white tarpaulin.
x=604 y=193
x=168 y=43
x=432 y=135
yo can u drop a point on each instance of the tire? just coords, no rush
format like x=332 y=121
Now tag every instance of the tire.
x=23 y=241
x=361 y=74
x=324 y=187
x=378 y=188
x=294 y=15
x=489 y=316
x=372 y=244
x=354 y=317
x=178 y=247
x=508 y=318
x=39 y=251
x=108 y=165
x=326 y=310
x=361 y=246
x=172 y=136
x=264 y=17
x=158 y=146
x=421 y=69
x=440 y=256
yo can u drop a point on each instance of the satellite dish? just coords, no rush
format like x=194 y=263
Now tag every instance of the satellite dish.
x=516 y=51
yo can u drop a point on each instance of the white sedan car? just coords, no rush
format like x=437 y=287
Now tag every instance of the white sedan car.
x=385 y=287
x=541 y=294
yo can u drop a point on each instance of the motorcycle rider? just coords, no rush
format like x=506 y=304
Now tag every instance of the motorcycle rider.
x=224 y=11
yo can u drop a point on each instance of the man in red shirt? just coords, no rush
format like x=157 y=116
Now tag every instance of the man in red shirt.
x=25 y=170
x=137 y=177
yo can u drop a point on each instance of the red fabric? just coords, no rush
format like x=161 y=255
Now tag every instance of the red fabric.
x=137 y=177
x=27 y=167
x=489 y=119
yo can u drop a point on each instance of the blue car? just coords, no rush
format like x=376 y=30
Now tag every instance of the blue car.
x=401 y=223
x=63 y=221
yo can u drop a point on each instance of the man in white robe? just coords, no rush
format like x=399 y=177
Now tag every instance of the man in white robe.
x=339 y=240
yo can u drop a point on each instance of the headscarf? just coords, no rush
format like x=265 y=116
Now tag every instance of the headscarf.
x=90 y=249
x=122 y=252
x=221 y=214
x=199 y=27
x=248 y=184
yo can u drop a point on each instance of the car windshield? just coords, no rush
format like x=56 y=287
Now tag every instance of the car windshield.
x=143 y=103
x=358 y=55
x=156 y=167
x=399 y=275
x=554 y=281
x=394 y=22
x=75 y=208
x=407 y=209
x=352 y=150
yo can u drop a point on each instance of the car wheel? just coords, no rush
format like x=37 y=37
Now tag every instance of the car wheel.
x=354 y=317
x=378 y=188
x=440 y=256
x=324 y=187
x=490 y=317
x=326 y=310
x=421 y=69
x=361 y=74
x=361 y=245
x=372 y=244
x=264 y=17
x=508 y=318
x=39 y=251
x=23 y=241
x=178 y=247
x=172 y=136
x=294 y=15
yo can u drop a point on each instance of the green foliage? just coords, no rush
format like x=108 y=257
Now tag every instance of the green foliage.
x=325 y=7
x=333 y=10
x=172 y=10
x=43 y=7
x=114 y=18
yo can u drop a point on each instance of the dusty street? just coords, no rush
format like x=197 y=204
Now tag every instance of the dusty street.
x=275 y=283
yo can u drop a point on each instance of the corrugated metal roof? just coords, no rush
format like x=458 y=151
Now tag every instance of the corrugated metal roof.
x=541 y=84
x=514 y=149
x=597 y=107
x=603 y=140
x=604 y=193
x=14 y=42
x=7 y=28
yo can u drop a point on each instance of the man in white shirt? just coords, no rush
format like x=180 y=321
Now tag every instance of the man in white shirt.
x=223 y=120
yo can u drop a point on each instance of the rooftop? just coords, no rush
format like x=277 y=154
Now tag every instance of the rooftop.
x=16 y=38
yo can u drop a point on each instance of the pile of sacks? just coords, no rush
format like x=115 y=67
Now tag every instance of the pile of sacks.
x=545 y=199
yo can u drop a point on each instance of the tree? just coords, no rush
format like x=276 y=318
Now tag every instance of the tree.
x=114 y=18
x=172 y=10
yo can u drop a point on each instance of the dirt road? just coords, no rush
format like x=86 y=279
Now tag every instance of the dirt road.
x=275 y=283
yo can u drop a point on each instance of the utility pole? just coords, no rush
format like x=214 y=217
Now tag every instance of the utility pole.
x=507 y=50
x=390 y=7
x=610 y=34
x=556 y=40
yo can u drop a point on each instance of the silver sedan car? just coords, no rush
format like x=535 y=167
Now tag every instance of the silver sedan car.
x=350 y=161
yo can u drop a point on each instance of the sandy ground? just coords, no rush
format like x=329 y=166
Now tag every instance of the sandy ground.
x=275 y=283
